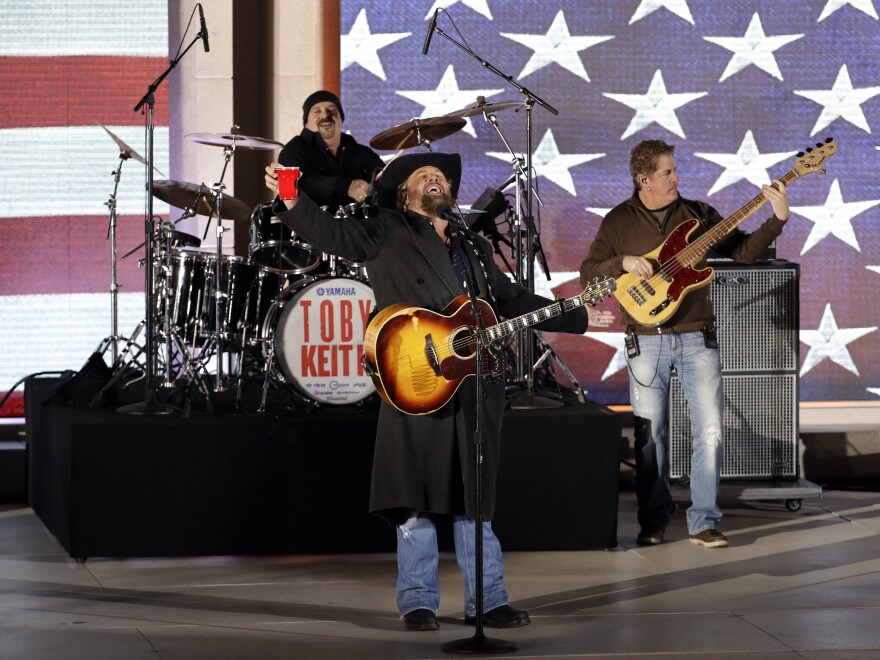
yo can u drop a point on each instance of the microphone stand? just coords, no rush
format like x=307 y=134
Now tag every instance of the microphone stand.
x=479 y=643
x=150 y=405
x=526 y=273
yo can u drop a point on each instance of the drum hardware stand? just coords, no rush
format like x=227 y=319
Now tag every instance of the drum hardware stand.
x=151 y=405
x=114 y=284
x=219 y=292
x=125 y=152
x=549 y=352
x=524 y=237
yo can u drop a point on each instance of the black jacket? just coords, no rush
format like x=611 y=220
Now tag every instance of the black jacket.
x=325 y=177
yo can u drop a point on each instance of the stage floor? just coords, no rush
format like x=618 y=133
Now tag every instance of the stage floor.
x=792 y=586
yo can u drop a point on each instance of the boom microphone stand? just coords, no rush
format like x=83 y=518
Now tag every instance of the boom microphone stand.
x=151 y=406
x=479 y=643
x=525 y=184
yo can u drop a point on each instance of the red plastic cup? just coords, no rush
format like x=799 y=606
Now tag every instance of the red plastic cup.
x=287 y=178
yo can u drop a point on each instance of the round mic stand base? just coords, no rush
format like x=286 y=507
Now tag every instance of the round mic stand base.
x=478 y=644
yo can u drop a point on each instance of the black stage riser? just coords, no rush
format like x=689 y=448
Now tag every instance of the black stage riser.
x=107 y=484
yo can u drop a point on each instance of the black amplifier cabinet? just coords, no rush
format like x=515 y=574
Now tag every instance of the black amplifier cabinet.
x=757 y=312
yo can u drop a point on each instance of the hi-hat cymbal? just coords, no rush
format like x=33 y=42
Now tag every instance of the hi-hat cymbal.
x=124 y=149
x=229 y=139
x=481 y=106
x=416 y=132
x=200 y=199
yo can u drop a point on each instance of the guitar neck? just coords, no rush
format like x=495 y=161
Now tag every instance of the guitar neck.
x=695 y=251
x=510 y=326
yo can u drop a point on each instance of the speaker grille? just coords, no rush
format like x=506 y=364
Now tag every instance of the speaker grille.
x=760 y=427
x=756 y=308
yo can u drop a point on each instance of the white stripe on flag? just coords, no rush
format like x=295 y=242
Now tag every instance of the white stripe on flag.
x=58 y=332
x=88 y=27
x=69 y=170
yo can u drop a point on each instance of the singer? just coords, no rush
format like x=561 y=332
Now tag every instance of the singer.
x=424 y=465
x=336 y=169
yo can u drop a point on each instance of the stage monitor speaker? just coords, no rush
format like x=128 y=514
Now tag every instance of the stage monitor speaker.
x=760 y=427
x=757 y=312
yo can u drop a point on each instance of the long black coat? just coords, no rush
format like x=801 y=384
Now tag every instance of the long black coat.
x=426 y=462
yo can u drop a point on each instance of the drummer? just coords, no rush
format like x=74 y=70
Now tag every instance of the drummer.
x=336 y=170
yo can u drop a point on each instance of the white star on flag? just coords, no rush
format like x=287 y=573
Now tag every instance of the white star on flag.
x=829 y=343
x=677 y=7
x=556 y=46
x=833 y=217
x=656 y=105
x=840 y=101
x=747 y=163
x=360 y=46
x=598 y=211
x=754 y=47
x=876 y=269
x=448 y=98
x=551 y=164
x=479 y=6
x=615 y=341
x=832 y=6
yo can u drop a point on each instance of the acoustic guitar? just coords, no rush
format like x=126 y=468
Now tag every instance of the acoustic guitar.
x=652 y=301
x=418 y=358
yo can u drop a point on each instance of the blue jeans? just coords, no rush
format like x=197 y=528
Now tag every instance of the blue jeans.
x=699 y=371
x=418 y=582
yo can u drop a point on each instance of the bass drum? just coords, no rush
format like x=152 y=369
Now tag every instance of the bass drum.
x=315 y=330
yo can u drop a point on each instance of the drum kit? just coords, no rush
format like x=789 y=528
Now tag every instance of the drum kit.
x=287 y=315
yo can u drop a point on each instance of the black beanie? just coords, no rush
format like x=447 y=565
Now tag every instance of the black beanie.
x=319 y=97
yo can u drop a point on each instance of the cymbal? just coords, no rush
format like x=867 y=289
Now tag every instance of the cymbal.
x=481 y=106
x=124 y=149
x=200 y=199
x=227 y=139
x=417 y=131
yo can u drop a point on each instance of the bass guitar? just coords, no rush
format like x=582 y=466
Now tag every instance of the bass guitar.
x=652 y=301
x=418 y=358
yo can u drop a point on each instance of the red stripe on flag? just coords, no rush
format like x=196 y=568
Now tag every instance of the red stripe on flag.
x=68 y=255
x=78 y=90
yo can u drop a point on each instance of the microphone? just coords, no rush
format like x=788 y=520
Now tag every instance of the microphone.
x=204 y=32
x=431 y=27
x=451 y=215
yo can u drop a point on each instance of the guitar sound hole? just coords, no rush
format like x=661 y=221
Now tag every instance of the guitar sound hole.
x=463 y=344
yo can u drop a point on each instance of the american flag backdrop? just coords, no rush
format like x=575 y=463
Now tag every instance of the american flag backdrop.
x=739 y=87
x=65 y=65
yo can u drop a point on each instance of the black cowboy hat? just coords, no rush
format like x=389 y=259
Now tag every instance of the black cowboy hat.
x=399 y=169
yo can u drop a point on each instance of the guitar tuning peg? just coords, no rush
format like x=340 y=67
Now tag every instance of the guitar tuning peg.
x=819 y=145
x=809 y=150
x=800 y=154
x=828 y=140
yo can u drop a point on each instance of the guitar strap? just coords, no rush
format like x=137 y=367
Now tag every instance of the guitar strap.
x=475 y=243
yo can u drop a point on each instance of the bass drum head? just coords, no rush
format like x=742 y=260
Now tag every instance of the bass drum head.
x=317 y=332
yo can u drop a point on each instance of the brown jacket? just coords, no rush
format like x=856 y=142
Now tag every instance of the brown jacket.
x=630 y=229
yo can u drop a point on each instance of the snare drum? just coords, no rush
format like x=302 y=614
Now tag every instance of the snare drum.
x=315 y=330
x=275 y=247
